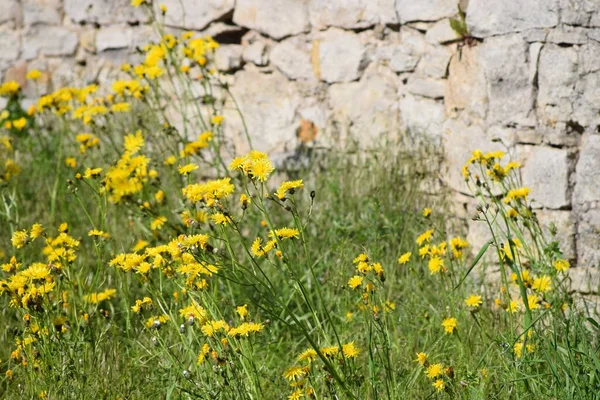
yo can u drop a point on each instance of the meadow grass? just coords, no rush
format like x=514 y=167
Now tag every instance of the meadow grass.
x=142 y=260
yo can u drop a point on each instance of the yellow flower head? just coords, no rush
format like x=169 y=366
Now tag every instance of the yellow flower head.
x=449 y=325
x=404 y=258
x=473 y=301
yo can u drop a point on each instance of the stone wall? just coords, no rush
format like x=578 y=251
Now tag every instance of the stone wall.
x=527 y=76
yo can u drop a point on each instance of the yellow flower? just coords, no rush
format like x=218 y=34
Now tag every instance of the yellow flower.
x=561 y=265
x=170 y=160
x=242 y=311
x=221 y=219
x=186 y=169
x=285 y=233
x=217 y=120
x=139 y=304
x=421 y=359
x=425 y=237
x=261 y=169
x=19 y=124
x=542 y=284
x=71 y=162
x=435 y=265
x=473 y=301
x=449 y=325
x=163 y=8
x=516 y=194
x=137 y=3
x=308 y=355
x=518 y=349
x=426 y=212
x=158 y=223
x=434 y=370
x=404 y=258
x=294 y=373
x=36 y=231
x=355 y=281
x=350 y=350
x=439 y=385
x=9 y=88
x=91 y=172
x=96 y=298
x=288 y=187
x=98 y=233
x=19 y=239
x=33 y=75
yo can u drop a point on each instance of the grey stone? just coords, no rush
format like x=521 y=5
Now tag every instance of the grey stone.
x=535 y=35
x=41 y=12
x=425 y=10
x=10 y=43
x=342 y=56
x=9 y=9
x=351 y=14
x=509 y=85
x=491 y=17
x=580 y=12
x=113 y=37
x=49 y=41
x=546 y=172
x=275 y=18
x=466 y=88
x=402 y=51
x=557 y=78
x=564 y=223
x=103 y=11
x=442 y=32
x=567 y=35
x=422 y=117
x=431 y=88
x=256 y=53
x=434 y=62
x=194 y=14
x=588 y=239
x=587 y=188
x=293 y=58
x=228 y=57
x=269 y=104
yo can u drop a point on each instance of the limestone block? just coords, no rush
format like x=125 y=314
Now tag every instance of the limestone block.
x=256 y=53
x=564 y=223
x=491 y=17
x=113 y=37
x=422 y=117
x=9 y=9
x=351 y=14
x=10 y=43
x=434 y=62
x=509 y=85
x=567 y=35
x=425 y=10
x=402 y=51
x=580 y=12
x=293 y=58
x=275 y=18
x=546 y=172
x=269 y=104
x=49 y=41
x=466 y=88
x=586 y=107
x=587 y=187
x=432 y=88
x=342 y=57
x=369 y=107
x=585 y=280
x=103 y=11
x=41 y=12
x=588 y=238
x=195 y=14
x=442 y=32
x=228 y=57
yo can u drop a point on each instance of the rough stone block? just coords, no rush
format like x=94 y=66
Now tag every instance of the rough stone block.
x=564 y=223
x=351 y=14
x=112 y=38
x=580 y=12
x=585 y=280
x=103 y=11
x=588 y=238
x=9 y=9
x=422 y=117
x=41 y=12
x=466 y=88
x=228 y=57
x=442 y=32
x=49 y=41
x=546 y=171
x=341 y=56
x=491 y=17
x=567 y=35
x=587 y=187
x=194 y=14
x=425 y=10
x=434 y=62
x=432 y=88
x=293 y=58
x=275 y=18
x=10 y=43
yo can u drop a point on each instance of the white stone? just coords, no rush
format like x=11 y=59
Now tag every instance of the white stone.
x=228 y=57
x=466 y=88
x=195 y=14
x=49 y=41
x=442 y=32
x=402 y=51
x=292 y=57
x=564 y=223
x=587 y=187
x=492 y=17
x=434 y=62
x=588 y=239
x=586 y=108
x=269 y=104
x=41 y=12
x=9 y=10
x=567 y=35
x=351 y=14
x=546 y=172
x=10 y=43
x=580 y=12
x=422 y=117
x=431 y=88
x=103 y=11
x=425 y=10
x=113 y=37
x=256 y=53
x=275 y=18
x=509 y=85
x=342 y=56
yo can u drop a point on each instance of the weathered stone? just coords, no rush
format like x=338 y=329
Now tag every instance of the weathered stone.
x=10 y=43
x=275 y=18
x=402 y=51
x=535 y=35
x=589 y=58
x=228 y=57
x=256 y=53
x=269 y=104
x=113 y=37
x=466 y=88
x=434 y=62
x=194 y=14
x=567 y=35
x=513 y=136
x=422 y=117
x=103 y=11
x=351 y=14
x=293 y=58
x=588 y=238
x=9 y=10
x=587 y=188
x=491 y=17
x=557 y=77
x=49 y=41
x=372 y=112
x=564 y=224
x=341 y=56
x=442 y=32
x=41 y=12
x=587 y=105
x=509 y=85
x=431 y=88
x=87 y=40
x=425 y=10
x=546 y=172
x=580 y=12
